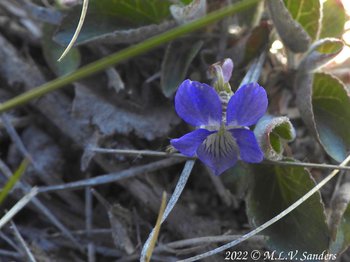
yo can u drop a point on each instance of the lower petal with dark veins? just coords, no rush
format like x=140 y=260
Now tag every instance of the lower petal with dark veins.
x=219 y=151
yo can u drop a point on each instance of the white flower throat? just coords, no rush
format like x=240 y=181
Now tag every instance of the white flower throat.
x=221 y=143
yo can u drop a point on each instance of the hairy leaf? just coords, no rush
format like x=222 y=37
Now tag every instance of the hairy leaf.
x=325 y=108
x=291 y=32
x=333 y=20
x=322 y=99
x=307 y=14
x=136 y=11
x=185 y=13
x=331 y=105
x=275 y=188
x=119 y=21
x=110 y=119
x=177 y=60
x=52 y=51
x=236 y=179
x=271 y=132
x=320 y=53
x=251 y=45
x=340 y=220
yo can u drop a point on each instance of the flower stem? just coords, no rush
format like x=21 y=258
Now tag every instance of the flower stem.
x=126 y=53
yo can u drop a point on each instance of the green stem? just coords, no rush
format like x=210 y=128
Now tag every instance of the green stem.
x=126 y=53
x=13 y=180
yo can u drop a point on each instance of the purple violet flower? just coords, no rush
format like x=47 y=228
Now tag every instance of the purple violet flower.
x=222 y=137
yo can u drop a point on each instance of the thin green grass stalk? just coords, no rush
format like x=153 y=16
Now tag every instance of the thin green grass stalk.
x=126 y=53
x=13 y=180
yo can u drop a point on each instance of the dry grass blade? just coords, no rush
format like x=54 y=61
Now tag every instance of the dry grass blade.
x=271 y=221
x=47 y=175
x=89 y=224
x=311 y=165
x=131 y=152
x=9 y=242
x=18 y=122
x=18 y=206
x=109 y=178
x=119 y=232
x=154 y=238
x=172 y=202
x=6 y=253
x=199 y=241
x=15 y=137
x=39 y=205
x=29 y=254
x=77 y=31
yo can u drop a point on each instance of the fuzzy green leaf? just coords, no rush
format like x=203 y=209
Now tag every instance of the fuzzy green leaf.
x=324 y=105
x=307 y=13
x=340 y=220
x=185 y=13
x=52 y=51
x=115 y=19
x=271 y=132
x=331 y=106
x=275 y=188
x=136 y=11
x=127 y=53
x=333 y=20
x=320 y=53
x=322 y=99
x=177 y=60
x=291 y=32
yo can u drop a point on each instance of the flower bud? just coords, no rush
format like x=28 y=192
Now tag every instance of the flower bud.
x=221 y=72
